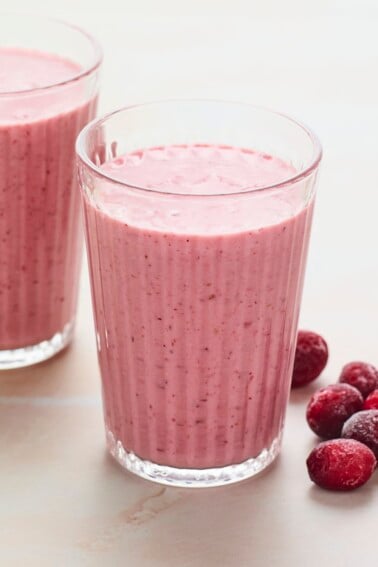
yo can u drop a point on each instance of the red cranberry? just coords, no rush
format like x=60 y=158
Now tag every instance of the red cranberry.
x=361 y=375
x=311 y=356
x=330 y=407
x=363 y=427
x=371 y=401
x=341 y=464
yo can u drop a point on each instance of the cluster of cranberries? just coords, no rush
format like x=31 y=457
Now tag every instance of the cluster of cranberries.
x=344 y=414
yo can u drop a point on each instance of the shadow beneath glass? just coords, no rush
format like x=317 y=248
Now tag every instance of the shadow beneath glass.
x=303 y=394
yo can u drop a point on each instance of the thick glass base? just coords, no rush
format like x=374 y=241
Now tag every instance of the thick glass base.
x=196 y=478
x=25 y=356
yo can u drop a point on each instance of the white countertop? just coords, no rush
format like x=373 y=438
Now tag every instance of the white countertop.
x=63 y=502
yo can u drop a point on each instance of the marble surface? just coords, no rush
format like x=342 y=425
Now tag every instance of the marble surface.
x=63 y=502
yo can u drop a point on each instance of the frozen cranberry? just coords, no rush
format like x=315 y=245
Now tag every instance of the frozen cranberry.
x=311 y=356
x=363 y=427
x=371 y=401
x=361 y=375
x=330 y=407
x=341 y=464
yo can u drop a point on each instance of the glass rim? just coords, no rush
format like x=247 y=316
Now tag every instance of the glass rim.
x=84 y=72
x=306 y=171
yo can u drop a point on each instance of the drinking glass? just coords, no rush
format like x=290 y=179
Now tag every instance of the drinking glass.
x=40 y=235
x=196 y=296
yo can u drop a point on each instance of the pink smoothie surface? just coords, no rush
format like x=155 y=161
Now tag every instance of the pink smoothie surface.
x=196 y=300
x=22 y=70
x=39 y=205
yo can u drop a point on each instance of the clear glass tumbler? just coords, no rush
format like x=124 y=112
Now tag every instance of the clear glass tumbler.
x=48 y=92
x=196 y=296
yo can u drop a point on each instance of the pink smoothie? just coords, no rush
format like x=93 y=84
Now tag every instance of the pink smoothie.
x=39 y=202
x=196 y=301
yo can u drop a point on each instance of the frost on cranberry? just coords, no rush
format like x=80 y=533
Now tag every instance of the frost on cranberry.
x=341 y=464
x=311 y=356
x=371 y=401
x=330 y=407
x=361 y=375
x=363 y=427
